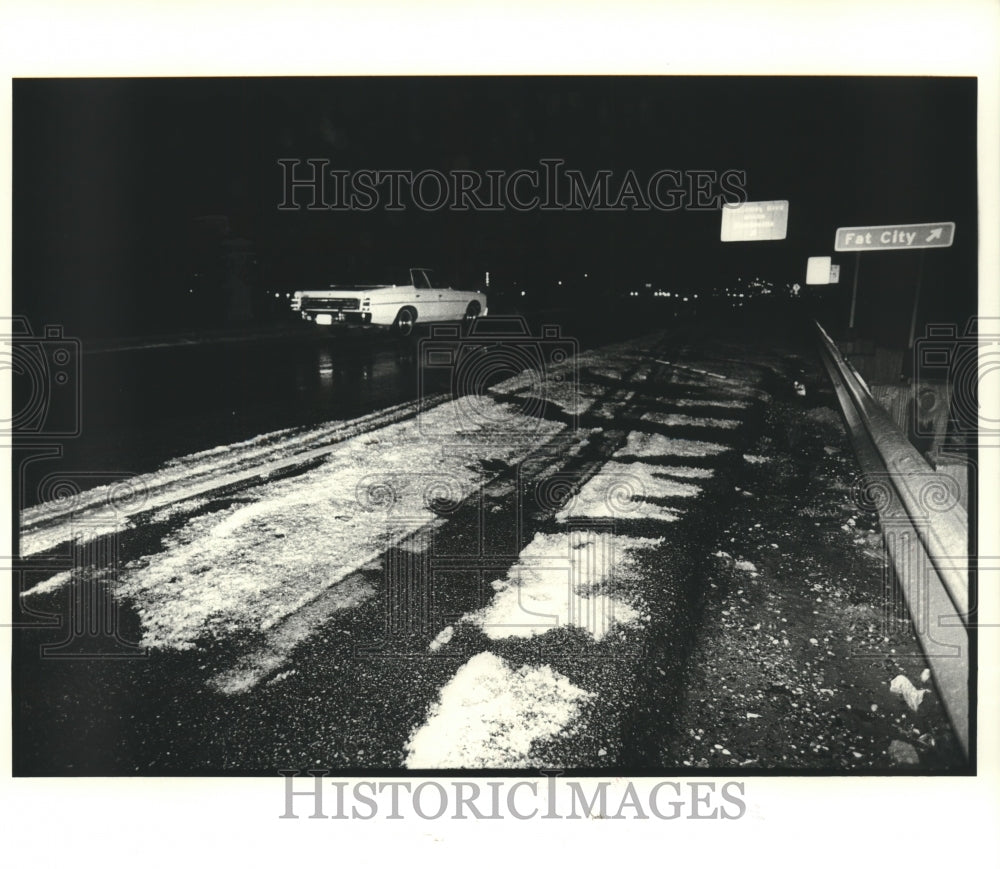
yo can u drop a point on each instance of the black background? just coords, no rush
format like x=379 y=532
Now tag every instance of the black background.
x=111 y=177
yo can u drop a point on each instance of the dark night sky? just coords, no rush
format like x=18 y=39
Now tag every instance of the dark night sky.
x=110 y=174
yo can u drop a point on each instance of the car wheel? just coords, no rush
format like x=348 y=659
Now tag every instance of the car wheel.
x=404 y=322
x=472 y=312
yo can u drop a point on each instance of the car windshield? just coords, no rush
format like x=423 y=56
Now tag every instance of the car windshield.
x=385 y=277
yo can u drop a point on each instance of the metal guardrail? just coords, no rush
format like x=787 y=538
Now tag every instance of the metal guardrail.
x=925 y=529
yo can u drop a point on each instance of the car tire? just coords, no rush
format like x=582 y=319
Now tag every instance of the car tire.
x=404 y=322
x=472 y=312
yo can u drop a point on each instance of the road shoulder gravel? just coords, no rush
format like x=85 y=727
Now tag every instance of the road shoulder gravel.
x=802 y=631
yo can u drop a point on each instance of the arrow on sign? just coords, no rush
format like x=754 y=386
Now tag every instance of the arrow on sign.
x=934 y=233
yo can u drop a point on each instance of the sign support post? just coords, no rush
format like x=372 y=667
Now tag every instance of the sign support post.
x=916 y=299
x=854 y=291
x=899 y=236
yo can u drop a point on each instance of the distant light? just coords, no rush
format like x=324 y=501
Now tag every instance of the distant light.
x=277 y=295
x=559 y=282
x=685 y=298
x=487 y=279
x=668 y=295
x=586 y=275
x=522 y=292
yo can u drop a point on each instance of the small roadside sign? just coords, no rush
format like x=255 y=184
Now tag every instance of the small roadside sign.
x=902 y=236
x=834 y=274
x=755 y=221
x=818 y=270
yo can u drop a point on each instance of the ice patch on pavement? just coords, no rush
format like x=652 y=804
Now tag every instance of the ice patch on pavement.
x=442 y=639
x=644 y=445
x=250 y=565
x=621 y=491
x=672 y=419
x=567 y=381
x=564 y=580
x=728 y=403
x=912 y=695
x=490 y=716
x=107 y=508
x=685 y=472
x=179 y=508
x=562 y=391
x=50 y=584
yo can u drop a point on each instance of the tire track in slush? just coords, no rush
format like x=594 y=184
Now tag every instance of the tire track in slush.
x=496 y=714
x=413 y=520
x=627 y=479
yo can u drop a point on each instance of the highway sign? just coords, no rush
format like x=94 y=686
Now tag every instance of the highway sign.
x=904 y=236
x=818 y=270
x=755 y=221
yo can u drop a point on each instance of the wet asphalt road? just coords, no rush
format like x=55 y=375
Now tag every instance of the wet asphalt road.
x=151 y=400
x=349 y=697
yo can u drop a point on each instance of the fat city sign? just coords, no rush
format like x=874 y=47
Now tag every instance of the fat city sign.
x=894 y=237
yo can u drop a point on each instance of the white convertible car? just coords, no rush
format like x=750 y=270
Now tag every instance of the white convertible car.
x=391 y=305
